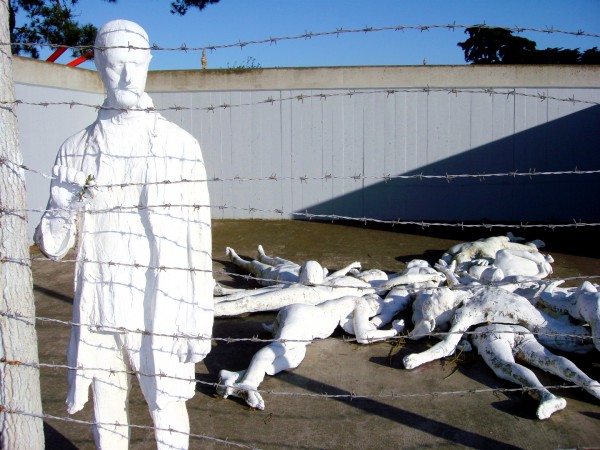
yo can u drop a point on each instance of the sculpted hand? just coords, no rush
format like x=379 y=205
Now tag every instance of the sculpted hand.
x=193 y=350
x=71 y=188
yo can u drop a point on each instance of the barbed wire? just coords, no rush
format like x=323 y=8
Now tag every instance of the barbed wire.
x=301 y=97
x=391 y=395
x=306 y=36
x=256 y=339
x=321 y=217
x=247 y=277
x=530 y=173
x=8 y=410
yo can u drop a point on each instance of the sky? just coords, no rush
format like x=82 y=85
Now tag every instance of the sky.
x=233 y=21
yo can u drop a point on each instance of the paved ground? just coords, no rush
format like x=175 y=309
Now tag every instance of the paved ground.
x=409 y=409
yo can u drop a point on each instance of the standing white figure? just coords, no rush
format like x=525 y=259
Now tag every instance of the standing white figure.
x=128 y=236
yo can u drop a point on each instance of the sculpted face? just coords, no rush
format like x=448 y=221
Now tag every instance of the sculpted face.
x=123 y=70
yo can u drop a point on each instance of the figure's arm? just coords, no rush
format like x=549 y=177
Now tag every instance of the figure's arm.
x=366 y=332
x=397 y=300
x=342 y=272
x=70 y=192
x=411 y=278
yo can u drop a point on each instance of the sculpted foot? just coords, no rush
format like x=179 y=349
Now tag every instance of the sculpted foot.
x=549 y=407
x=261 y=252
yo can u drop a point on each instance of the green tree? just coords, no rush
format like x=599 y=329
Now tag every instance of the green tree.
x=489 y=45
x=54 y=22
x=496 y=45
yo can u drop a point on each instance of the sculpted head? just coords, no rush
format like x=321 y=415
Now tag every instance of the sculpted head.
x=311 y=272
x=123 y=70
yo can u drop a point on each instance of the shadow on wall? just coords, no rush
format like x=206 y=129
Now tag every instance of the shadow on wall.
x=560 y=145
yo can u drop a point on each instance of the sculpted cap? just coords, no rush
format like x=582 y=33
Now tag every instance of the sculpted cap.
x=119 y=26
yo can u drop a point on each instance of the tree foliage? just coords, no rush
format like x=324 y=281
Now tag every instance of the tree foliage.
x=182 y=6
x=54 y=22
x=487 y=45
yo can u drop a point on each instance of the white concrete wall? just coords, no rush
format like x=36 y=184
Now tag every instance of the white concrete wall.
x=370 y=134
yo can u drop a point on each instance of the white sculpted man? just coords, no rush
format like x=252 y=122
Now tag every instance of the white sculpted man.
x=138 y=313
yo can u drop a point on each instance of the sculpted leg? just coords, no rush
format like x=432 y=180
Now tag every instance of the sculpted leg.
x=496 y=350
x=535 y=354
x=271 y=261
x=234 y=258
x=269 y=360
x=111 y=407
x=172 y=426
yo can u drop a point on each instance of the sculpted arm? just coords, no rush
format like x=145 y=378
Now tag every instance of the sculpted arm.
x=365 y=331
x=56 y=233
x=342 y=272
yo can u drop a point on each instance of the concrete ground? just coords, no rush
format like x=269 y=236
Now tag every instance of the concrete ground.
x=434 y=406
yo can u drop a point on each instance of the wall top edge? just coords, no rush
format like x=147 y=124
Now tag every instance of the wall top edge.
x=43 y=73
x=30 y=71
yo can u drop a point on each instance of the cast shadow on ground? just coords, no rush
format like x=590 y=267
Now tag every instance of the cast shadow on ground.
x=56 y=440
x=471 y=366
x=400 y=416
x=238 y=354
x=52 y=293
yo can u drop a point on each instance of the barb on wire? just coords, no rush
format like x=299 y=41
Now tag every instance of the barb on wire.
x=306 y=36
x=301 y=97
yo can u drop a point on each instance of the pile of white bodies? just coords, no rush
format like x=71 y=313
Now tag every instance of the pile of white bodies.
x=491 y=291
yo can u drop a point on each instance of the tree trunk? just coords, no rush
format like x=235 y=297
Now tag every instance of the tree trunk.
x=21 y=426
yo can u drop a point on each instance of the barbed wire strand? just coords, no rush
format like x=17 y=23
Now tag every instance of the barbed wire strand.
x=8 y=410
x=306 y=36
x=256 y=339
x=301 y=97
x=248 y=277
x=392 y=395
x=322 y=217
x=530 y=173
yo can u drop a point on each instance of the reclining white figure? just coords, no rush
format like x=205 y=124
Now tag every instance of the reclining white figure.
x=133 y=148
x=417 y=274
x=512 y=266
x=517 y=271
x=498 y=345
x=230 y=302
x=274 y=270
x=346 y=281
x=490 y=304
x=272 y=298
x=486 y=248
x=295 y=327
x=581 y=303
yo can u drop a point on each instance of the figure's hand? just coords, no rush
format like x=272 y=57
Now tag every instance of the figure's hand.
x=250 y=395
x=193 y=350
x=411 y=361
x=71 y=189
x=480 y=262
